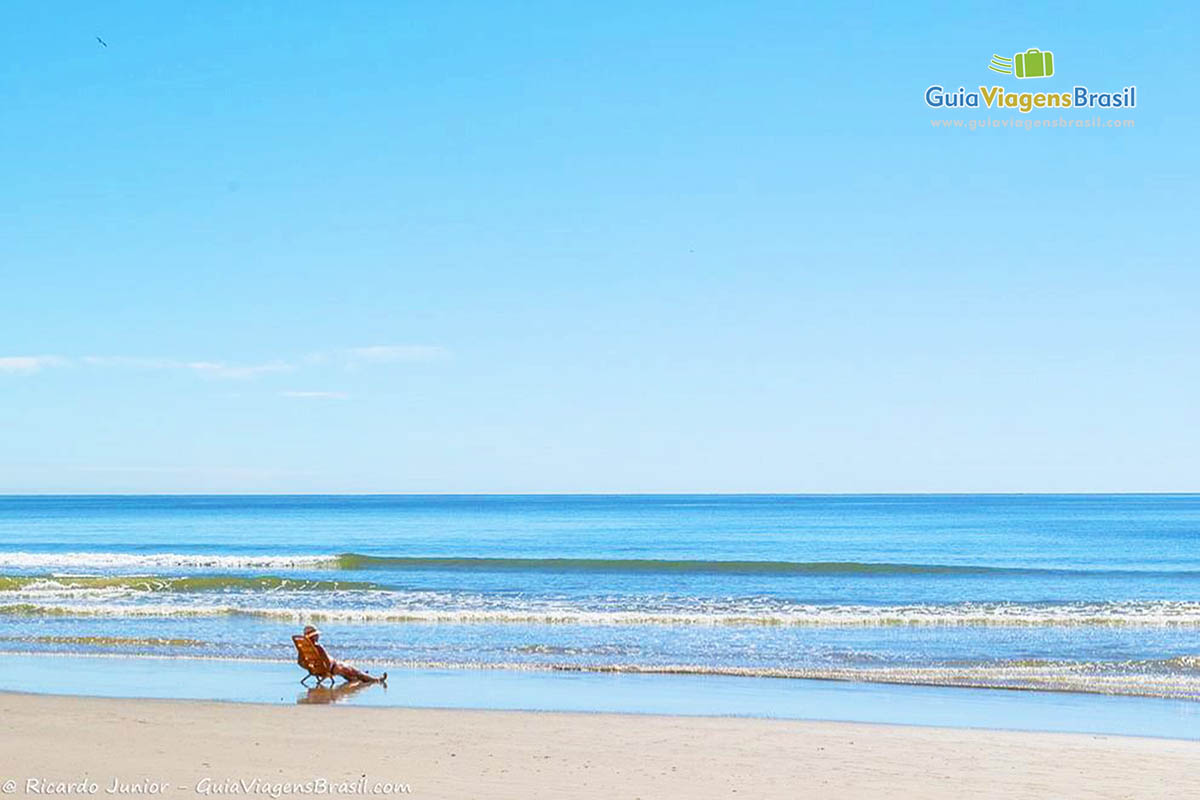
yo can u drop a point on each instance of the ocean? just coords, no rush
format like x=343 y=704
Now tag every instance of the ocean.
x=1079 y=593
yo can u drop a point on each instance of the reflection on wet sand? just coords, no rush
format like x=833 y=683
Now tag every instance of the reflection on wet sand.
x=324 y=695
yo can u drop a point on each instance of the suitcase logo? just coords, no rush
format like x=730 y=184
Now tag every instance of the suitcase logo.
x=1033 y=63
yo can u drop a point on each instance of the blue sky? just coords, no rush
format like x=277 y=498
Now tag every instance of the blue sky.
x=491 y=247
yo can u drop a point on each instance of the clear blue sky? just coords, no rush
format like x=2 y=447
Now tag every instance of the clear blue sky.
x=428 y=247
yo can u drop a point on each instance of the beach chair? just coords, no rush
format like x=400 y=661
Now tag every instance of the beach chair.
x=313 y=659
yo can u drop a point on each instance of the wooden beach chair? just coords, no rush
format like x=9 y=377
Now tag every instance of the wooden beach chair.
x=313 y=659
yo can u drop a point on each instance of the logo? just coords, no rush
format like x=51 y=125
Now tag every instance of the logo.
x=1033 y=63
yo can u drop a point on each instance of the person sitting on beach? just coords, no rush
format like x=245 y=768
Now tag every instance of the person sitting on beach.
x=351 y=674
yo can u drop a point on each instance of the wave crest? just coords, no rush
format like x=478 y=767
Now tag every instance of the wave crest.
x=100 y=561
x=359 y=561
x=167 y=584
x=1125 y=614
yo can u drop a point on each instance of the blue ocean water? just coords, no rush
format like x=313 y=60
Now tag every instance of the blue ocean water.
x=1082 y=593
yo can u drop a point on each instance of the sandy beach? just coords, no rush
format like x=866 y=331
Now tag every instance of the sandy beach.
x=218 y=749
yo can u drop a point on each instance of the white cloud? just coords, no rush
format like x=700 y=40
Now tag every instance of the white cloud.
x=30 y=363
x=222 y=370
x=216 y=369
x=132 y=362
x=317 y=395
x=351 y=358
x=390 y=353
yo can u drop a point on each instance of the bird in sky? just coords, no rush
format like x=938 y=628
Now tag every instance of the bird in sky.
x=101 y=41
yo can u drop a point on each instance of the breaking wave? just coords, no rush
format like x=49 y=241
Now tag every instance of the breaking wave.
x=358 y=561
x=100 y=561
x=166 y=584
x=1121 y=614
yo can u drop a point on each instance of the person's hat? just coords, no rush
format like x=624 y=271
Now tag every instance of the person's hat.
x=309 y=630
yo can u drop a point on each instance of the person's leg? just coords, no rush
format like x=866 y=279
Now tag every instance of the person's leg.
x=351 y=674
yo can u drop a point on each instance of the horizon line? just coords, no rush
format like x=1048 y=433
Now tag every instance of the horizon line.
x=993 y=493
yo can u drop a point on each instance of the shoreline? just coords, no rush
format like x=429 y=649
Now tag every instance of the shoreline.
x=277 y=683
x=1110 y=686
x=443 y=753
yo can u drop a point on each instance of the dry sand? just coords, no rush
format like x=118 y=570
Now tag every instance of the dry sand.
x=502 y=754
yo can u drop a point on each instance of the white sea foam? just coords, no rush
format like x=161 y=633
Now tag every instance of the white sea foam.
x=417 y=610
x=128 y=561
